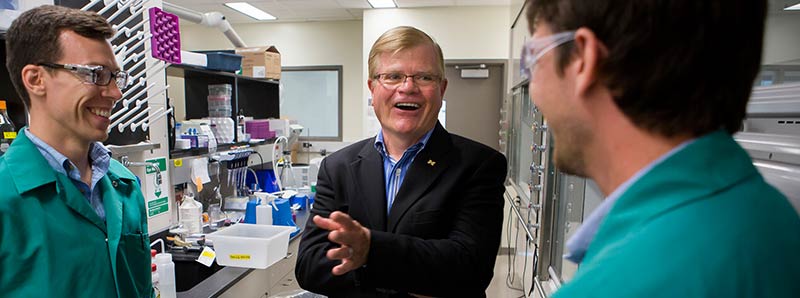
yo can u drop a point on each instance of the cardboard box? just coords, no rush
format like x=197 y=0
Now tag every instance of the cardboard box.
x=261 y=62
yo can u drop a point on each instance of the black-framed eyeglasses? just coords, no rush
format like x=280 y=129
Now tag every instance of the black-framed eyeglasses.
x=392 y=80
x=93 y=74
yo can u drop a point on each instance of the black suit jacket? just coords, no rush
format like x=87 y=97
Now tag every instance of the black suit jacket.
x=441 y=236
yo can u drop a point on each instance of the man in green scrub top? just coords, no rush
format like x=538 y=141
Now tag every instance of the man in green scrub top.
x=72 y=220
x=642 y=97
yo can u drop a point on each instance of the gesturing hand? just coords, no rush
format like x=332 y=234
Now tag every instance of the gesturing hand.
x=353 y=237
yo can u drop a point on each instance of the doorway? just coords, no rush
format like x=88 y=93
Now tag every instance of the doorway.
x=474 y=97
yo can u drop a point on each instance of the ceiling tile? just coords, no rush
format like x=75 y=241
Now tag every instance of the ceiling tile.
x=482 y=2
x=309 y=4
x=353 y=4
x=318 y=10
x=424 y=3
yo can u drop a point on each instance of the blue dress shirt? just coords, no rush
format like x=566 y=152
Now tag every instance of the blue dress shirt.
x=98 y=155
x=395 y=171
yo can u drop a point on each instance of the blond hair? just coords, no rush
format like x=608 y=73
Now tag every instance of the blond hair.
x=398 y=39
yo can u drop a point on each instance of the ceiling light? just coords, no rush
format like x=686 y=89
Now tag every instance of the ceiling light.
x=793 y=7
x=382 y=3
x=250 y=11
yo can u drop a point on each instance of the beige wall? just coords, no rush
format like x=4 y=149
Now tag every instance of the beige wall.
x=464 y=33
x=301 y=44
x=782 y=39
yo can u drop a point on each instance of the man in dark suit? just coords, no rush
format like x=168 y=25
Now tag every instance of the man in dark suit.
x=415 y=210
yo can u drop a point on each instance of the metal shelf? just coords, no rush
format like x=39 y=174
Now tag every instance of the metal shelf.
x=120 y=150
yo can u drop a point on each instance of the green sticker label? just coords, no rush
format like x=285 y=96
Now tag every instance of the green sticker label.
x=162 y=165
x=157 y=206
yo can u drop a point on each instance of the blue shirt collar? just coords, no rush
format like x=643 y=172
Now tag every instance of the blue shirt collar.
x=381 y=147
x=60 y=163
x=578 y=244
x=99 y=157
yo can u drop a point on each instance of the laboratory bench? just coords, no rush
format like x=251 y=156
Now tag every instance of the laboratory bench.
x=240 y=282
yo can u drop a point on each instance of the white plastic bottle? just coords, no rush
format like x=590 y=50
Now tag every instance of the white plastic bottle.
x=166 y=275
x=191 y=214
x=264 y=214
x=264 y=210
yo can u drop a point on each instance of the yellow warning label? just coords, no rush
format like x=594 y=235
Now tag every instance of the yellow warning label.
x=178 y=162
x=240 y=257
x=9 y=135
x=207 y=254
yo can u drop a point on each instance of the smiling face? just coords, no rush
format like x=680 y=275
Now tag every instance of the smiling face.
x=73 y=108
x=409 y=110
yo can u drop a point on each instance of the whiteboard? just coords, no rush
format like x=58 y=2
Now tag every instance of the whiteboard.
x=313 y=97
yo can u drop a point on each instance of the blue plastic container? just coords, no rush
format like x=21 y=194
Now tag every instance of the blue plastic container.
x=283 y=215
x=299 y=199
x=217 y=60
x=250 y=212
x=266 y=180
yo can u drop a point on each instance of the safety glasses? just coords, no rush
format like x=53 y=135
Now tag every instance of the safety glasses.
x=93 y=74
x=537 y=47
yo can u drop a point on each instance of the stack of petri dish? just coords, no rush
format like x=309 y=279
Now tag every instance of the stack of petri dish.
x=219 y=113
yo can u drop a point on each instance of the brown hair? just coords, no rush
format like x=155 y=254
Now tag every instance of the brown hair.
x=398 y=39
x=33 y=38
x=674 y=67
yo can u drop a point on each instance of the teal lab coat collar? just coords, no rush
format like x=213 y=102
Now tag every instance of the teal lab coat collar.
x=712 y=163
x=31 y=170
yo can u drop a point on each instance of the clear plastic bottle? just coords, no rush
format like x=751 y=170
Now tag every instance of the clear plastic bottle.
x=166 y=275
x=191 y=214
x=7 y=129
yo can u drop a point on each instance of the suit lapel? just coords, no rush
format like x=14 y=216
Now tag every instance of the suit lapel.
x=368 y=170
x=426 y=168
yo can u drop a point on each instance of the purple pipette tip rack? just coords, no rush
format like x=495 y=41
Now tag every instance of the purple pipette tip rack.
x=165 y=42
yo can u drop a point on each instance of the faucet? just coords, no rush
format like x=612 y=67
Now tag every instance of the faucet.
x=150 y=165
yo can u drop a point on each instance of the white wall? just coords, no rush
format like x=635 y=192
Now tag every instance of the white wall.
x=462 y=32
x=301 y=44
x=30 y=4
x=782 y=39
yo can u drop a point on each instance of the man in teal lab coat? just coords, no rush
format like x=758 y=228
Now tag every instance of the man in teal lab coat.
x=642 y=97
x=72 y=220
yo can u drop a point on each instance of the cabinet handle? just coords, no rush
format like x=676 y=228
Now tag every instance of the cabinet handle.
x=538 y=148
x=535 y=168
x=537 y=127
